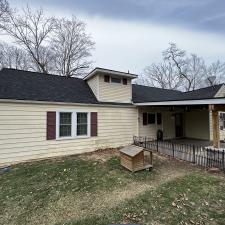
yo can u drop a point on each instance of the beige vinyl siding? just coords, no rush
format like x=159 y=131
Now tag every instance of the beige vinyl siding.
x=94 y=85
x=113 y=92
x=197 y=125
x=23 y=131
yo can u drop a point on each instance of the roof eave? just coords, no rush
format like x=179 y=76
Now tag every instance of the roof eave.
x=112 y=72
x=215 y=101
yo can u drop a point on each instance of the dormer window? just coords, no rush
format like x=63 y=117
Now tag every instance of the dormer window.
x=115 y=80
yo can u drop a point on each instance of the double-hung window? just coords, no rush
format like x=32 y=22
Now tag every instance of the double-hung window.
x=65 y=124
x=73 y=124
x=82 y=124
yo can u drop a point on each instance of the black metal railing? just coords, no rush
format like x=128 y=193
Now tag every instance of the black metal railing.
x=203 y=156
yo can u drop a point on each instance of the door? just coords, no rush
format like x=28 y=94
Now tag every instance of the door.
x=178 y=125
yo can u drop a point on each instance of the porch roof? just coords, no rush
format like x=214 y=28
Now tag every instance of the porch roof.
x=158 y=96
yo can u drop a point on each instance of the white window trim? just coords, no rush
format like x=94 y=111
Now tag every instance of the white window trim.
x=74 y=125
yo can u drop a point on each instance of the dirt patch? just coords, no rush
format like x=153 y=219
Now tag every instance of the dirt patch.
x=101 y=155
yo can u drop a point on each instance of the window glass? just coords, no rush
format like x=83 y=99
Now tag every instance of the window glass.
x=151 y=118
x=82 y=124
x=65 y=122
x=115 y=80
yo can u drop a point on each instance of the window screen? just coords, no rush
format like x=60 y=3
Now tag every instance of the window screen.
x=115 y=80
x=82 y=124
x=65 y=123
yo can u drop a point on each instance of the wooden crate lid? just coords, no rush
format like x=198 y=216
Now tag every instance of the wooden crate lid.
x=131 y=150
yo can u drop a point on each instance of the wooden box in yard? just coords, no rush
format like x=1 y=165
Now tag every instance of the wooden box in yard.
x=133 y=158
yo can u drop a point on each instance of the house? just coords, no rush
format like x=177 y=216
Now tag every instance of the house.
x=47 y=115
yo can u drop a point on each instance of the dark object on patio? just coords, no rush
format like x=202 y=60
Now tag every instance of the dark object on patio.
x=134 y=158
x=160 y=135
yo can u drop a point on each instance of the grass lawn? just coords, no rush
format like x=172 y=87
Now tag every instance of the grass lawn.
x=94 y=189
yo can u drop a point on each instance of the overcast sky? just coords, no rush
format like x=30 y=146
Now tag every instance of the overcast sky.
x=131 y=34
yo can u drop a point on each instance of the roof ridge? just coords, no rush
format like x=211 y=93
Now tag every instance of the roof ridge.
x=40 y=73
x=212 y=86
x=157 y=88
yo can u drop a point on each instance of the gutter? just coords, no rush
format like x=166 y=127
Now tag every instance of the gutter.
x=185 y=102
x=66 y=103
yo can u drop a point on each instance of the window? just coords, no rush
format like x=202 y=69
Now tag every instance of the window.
x=82 y=124
x=106 y=78
x=115 y=80
x=151 y=118
x=65 y=124
x=73 y=124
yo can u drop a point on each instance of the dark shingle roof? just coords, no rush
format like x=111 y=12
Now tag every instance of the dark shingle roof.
x=24 y=85
x=151 y=94
x=202 y=93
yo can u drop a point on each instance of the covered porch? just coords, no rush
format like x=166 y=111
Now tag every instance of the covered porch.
x=184 y=124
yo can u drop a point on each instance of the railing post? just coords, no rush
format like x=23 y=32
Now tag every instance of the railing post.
x=193 y=154
x=145 y=143
x=223 y=161
x=173 y=148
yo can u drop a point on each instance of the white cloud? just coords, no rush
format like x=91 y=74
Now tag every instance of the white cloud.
x=131 y=46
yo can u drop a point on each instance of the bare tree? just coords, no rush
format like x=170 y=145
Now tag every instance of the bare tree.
x=178 y=59
x=13 y=57
x=162 y=75
x=214 y=73
x=4 y=9
x=31 y=30
x=183 y=71
x=72 y=47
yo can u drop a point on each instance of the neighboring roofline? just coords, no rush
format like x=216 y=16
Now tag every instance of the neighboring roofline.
x=108 y=104
x=184 y=102
x=108 y=71
x=222 y=86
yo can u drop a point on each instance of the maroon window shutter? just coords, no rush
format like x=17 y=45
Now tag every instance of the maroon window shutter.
x=145 y=119
x=51 y=126
x=124 y=81
x=106 y=78
x=94 y=124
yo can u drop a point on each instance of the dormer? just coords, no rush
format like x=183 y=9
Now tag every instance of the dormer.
x=110 y=85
